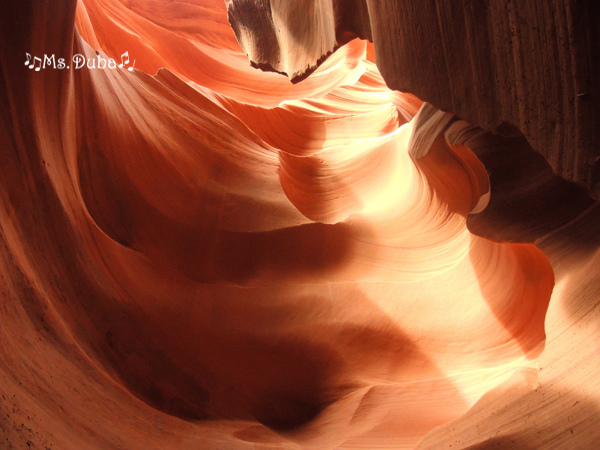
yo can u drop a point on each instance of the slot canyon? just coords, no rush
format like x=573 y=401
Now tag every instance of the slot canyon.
x=273 y=224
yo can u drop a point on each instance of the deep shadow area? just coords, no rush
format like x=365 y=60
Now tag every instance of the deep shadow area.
x=528 y=200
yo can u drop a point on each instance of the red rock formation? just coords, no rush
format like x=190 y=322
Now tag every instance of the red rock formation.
x=198 y=254
x=533 y=66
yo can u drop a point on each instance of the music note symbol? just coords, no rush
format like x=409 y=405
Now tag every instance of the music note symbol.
x=131 y=68
x=124 y=59
x=28 y=59
x=39 y=66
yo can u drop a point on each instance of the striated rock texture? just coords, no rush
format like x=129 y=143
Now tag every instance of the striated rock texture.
x=496 y=63
x=198 y=254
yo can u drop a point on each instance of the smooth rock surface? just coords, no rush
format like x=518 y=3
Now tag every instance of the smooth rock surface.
x=198 y=254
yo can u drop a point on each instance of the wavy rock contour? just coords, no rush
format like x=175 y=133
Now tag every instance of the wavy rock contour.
x=196 y=253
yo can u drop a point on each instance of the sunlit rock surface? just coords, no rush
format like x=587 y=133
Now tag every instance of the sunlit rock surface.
x=199 y=254
x=533 y=65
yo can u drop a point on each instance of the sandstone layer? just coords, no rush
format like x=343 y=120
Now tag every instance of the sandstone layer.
x=198 y=254
x=500 y=64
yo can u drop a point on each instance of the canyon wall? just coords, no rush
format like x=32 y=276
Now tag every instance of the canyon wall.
x=500 y=64
x=198 y=254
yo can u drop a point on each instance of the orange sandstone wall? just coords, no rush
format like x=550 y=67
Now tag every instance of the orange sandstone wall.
x=198 y=254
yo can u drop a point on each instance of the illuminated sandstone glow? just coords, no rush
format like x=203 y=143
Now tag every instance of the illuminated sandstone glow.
x=199 y=254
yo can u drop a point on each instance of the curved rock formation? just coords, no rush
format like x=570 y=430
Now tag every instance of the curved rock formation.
x=499 y=64
x=198 y=254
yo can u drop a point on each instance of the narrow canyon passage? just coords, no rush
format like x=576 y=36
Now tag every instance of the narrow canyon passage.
x=196 y=253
